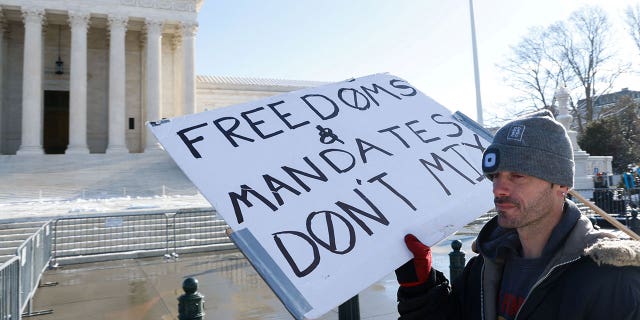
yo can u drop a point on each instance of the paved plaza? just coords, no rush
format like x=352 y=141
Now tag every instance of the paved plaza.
x=149 y=288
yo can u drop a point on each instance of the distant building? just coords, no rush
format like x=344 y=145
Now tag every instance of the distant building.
x=605 y=101
x=216 y=91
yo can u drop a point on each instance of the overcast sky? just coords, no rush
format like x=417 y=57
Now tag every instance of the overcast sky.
x=426 y=42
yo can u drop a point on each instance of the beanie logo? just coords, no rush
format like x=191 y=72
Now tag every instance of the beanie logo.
x=516 y=132
x=490 y=160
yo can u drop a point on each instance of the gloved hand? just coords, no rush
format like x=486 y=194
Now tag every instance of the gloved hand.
x=416 y=271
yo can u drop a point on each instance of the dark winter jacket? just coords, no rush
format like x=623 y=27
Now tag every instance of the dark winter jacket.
x=590 y=275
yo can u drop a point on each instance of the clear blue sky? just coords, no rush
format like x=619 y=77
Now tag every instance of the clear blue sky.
x=426 y=42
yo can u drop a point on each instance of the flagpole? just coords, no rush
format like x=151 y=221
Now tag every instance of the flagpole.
x=475 y=65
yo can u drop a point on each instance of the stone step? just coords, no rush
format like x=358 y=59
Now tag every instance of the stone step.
x=7 y=224
x=30 y=231
x=15 y=236
x=6 y=257
x=8 y=251
x=92 y=176
x=11 y=244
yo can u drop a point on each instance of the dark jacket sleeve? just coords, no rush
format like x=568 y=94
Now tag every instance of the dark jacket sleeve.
x=427 y=301
x=435 y=300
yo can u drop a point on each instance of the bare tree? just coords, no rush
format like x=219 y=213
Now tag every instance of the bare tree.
x=532 y=71
x=577 y=54
x=584 y=45
x=633 y=23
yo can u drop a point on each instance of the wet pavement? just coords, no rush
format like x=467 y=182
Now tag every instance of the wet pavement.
x=149 y=288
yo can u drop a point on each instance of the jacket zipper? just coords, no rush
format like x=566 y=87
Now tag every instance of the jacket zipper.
x=540 y=281
x=482 y=292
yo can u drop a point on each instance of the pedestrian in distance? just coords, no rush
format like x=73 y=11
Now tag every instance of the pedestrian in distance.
x=539 y=257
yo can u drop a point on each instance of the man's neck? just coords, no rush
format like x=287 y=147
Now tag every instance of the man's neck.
x=534 y=237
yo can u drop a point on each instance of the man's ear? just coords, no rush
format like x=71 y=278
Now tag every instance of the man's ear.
x=564 y=190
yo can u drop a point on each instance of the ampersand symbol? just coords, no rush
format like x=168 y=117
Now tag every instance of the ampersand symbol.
x=327 y=136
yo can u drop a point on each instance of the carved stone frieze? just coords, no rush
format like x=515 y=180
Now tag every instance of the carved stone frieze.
x=177 y=5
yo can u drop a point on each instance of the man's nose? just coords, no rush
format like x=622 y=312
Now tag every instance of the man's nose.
x=501 y=187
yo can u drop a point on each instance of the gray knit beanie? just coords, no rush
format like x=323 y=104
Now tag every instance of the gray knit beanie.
x=534 y=144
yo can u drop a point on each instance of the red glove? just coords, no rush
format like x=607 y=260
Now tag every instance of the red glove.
x=416 y=271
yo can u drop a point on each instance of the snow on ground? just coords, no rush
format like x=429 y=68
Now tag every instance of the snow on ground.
x=41 y=208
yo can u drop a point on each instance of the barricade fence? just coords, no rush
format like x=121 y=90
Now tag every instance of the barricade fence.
x=10 y=294
x=196 y=227
x=613 y=200
x=118 y=236
x=34 y=254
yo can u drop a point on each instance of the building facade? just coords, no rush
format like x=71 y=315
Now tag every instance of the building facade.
x=603 y=104
x=217 y=91
x=83 y=77
x=79 y=77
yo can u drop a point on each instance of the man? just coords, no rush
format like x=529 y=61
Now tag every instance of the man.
x=539 y=258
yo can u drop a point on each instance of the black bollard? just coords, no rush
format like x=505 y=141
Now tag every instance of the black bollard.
x=456 y=260
x=350 y=309
x=191 y=303
x=594 y=222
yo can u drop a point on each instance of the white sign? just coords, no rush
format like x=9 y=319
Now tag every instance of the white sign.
x=111 y=222
x=321 y=185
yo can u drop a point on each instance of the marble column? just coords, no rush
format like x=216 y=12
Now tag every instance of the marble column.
x=79 y=23
x=32 y=117
x=2 y=43
x=178 y=71
x=117 y=84
x=189 y=75
x=153 y=81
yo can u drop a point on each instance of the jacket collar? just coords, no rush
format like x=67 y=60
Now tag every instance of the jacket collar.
x=569 y=238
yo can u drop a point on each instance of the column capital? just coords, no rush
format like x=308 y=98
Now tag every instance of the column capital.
x=188 y=28
x=79 y=19
x=33 y=14
x=153 y=27
x=176 y=41
x=117 y=21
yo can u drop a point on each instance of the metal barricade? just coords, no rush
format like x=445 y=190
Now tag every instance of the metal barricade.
x=34 y=254
x=197 y=228
x=112 y=236
x=10 y=294
x=125 y=235
x=612 y=200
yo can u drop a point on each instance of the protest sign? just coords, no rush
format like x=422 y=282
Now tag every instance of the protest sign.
x=320 y=185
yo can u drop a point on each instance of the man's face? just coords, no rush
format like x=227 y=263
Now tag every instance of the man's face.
x=525 y=201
